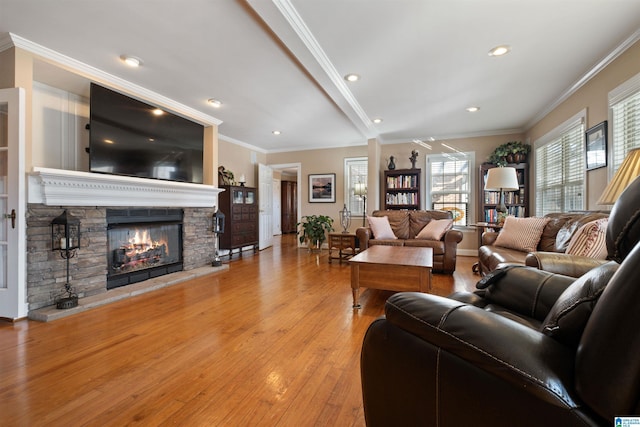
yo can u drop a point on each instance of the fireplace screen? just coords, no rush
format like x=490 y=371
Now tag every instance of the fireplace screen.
x=143 y=246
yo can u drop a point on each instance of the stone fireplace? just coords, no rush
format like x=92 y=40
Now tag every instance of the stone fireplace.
x=112 y=210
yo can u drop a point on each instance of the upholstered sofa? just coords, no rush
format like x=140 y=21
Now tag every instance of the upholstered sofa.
x=555 y=238
x=406 y=226
x=528 y=348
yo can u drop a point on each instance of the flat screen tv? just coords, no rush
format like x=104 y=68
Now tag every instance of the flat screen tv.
x=128 y=137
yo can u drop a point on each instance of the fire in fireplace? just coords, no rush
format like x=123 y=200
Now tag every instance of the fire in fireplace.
x=143 y=243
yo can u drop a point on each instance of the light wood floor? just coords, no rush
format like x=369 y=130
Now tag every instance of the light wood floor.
x=273 y=341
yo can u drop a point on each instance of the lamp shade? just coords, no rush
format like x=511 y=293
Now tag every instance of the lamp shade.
x=502 y=178
x=360 y=189
x=627 y=172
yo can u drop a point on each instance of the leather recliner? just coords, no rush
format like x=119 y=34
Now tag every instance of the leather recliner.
x=530 y=348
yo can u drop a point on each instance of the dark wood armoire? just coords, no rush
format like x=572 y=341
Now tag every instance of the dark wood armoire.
x=289 y=203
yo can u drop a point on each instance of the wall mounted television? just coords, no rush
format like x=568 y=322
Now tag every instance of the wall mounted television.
x=127 y=138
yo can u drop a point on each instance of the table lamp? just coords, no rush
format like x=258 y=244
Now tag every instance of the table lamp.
x=501 y=179
x=627 y=172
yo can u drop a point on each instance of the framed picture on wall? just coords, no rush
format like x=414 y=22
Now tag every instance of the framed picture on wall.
x=596 y=146
x=322 y=188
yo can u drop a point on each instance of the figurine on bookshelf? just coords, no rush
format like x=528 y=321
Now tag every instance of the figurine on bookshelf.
x=413 y=158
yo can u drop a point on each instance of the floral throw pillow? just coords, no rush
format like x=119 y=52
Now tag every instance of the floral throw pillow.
x=589 y=241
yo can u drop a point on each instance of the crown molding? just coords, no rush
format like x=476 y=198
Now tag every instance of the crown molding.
x=601 y=65
x=92 y=73
x=241 y=143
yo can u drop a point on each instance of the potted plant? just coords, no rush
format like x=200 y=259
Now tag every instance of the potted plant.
x=314 y=228
x=510 y=152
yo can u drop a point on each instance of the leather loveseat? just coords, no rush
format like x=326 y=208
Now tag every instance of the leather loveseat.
x=528 y=348
x=554 y=240
x=406 y=225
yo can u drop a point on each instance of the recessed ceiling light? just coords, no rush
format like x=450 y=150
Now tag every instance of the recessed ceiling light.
x=377 y=120
x=352 y=77
x=276 y=132
x=108 y=141
x=472 y=109
x=214 y=102
x=132 y=61
x=500 y=50
x=158 y=112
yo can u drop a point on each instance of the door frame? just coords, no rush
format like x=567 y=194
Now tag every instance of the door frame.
x=13 y=304
x=298 y=168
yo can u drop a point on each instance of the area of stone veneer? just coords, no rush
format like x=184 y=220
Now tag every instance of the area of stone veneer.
x=46 y=270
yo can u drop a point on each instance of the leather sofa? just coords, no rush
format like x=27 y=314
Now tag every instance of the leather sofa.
x=554 y=240
x=406 y=225
x=528 y=348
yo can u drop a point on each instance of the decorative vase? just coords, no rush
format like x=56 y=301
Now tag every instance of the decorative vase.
x=392 y=164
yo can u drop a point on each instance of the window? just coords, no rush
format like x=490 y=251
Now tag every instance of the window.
x=624 y=104
x=560 y=168
x=355 y=171
x=450 y=184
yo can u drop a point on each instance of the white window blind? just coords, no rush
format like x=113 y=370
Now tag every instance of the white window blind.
x=625 y=122
x=560 y=168
x=450 y=184
x=355 y=171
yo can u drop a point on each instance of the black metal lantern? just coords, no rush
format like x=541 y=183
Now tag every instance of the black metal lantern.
x=65 y=232
x=217 y=227
x=65 y=237
x=218 y=221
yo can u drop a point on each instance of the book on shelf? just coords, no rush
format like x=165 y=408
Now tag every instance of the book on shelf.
x=402 y=181
x=402 y=199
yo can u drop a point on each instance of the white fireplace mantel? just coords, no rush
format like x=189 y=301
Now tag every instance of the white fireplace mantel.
x=57 y=187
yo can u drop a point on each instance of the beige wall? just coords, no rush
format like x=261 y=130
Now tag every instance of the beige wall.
x=16 y=70
x=240 y=160
x=594 y=97
x=321 y=162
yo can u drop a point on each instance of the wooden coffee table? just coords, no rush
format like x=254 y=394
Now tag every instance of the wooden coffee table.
x=392 y=268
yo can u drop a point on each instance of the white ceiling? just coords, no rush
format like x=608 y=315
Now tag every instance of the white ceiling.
x=279 y=64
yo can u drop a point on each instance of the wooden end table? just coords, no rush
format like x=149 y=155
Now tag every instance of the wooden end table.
x=392 y=268
x=345 y=243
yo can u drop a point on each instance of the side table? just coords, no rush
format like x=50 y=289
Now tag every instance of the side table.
x=345 y=243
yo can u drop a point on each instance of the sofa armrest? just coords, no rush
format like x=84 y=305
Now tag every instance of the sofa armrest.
x=363 y=234
x=489 y=237
x=561 y=263
x=527 y=291
x=505 y=349
x=451 y=239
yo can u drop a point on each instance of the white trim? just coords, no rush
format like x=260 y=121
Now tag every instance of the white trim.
x=626 y=44
x=626 y=89
x=117 y=83
x=298 y=25
x=57 y=187
x=578 y=118
x=240 y=143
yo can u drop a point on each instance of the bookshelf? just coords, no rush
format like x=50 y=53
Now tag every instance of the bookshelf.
x=402 y=189
x=517 y=202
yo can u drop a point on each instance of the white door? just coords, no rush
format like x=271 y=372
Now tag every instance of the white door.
x=265 y=197
x=277 y=207
x=13 y=299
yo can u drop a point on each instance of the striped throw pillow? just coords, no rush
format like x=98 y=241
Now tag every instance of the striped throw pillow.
x=589 y=240
x=522 y=234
